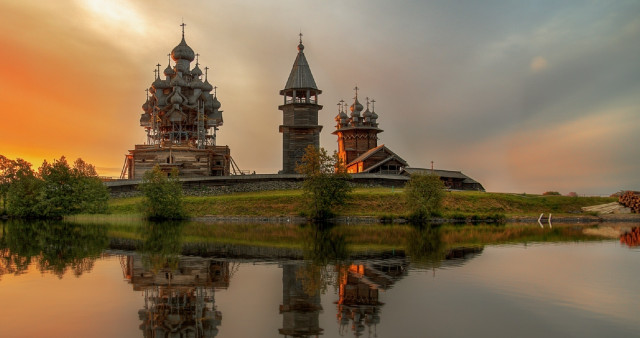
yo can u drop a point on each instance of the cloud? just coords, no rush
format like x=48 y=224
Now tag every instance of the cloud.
x=538 y=64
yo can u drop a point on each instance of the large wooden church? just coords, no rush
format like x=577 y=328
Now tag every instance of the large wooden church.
x=180 y=117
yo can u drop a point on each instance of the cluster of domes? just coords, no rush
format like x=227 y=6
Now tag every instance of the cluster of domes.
x=356 y=118
x=182 y=98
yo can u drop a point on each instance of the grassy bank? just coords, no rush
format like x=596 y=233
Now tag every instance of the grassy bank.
x=379 y=202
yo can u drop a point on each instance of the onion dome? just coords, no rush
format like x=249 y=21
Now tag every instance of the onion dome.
x=196 y=71
x=216 y=104
x=356 y=108
x=169 y=71
x=176 y=98
x=178 y=81
x=366 y=114
x=183 y=52
x=145 y=105
x=208 y=101
x=374 y=116
x=207 y=86
x=145 y=119
x=196 y=84
x=160 y=84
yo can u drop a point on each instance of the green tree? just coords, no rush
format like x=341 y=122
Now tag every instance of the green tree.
x=56 y=190
x=423 y=195
x=163 y=195
x=9 y=170
x=92 y=194
x=24 y=192
x=326 y=181
x=68 y=190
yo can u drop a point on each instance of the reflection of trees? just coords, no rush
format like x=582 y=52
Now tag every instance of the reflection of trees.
x=425 y=246
x=161 y=244
x=323 y=246
x=53 y=245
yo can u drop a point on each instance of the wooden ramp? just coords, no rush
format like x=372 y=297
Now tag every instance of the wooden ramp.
x=609 y=208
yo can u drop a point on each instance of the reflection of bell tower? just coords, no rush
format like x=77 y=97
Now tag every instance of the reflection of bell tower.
x=300 y=310
x=299 y=113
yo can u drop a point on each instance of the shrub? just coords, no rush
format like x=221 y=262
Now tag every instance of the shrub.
x=551 y=193
x=163 y=195
x=326 y=181
x=423 y=195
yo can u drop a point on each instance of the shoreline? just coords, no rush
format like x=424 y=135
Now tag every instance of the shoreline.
x=615 y=218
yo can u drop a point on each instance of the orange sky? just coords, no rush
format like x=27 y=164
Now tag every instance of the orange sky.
x=523 y=99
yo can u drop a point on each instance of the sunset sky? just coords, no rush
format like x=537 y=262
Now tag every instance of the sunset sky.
x=523 y=96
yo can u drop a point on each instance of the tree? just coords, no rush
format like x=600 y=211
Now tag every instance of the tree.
x=423 y=195
x=163 y=196
x=24 y=191
x=68 y=191
x=92 y=194
x=9 y=170
x=326 y=181
x=55 y=191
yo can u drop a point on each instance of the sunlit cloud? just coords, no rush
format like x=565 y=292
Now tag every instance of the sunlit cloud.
x=117 y=20
x=538 y=64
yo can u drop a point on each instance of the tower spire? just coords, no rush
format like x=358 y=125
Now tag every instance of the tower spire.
x=300 y=36
x=206 y=73
x=183 y=24
x=356 y=89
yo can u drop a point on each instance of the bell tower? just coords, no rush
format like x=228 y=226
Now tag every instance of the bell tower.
x=299 y=113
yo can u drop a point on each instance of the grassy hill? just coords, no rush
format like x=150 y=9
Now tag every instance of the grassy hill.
x=377 y=202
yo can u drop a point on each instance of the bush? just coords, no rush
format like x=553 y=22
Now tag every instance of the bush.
x=326 y=181
x=551 y=193
x=163 y=196
x=423 y=196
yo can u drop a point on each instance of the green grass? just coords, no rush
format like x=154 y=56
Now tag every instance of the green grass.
x=377 y=202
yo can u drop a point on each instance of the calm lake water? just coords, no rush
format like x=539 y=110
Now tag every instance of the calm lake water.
x=74 y=280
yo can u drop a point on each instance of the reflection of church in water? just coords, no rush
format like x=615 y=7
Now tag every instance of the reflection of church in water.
x=178 y=300
x=358 y=305
x=360 y=285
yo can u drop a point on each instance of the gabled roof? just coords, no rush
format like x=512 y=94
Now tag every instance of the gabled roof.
x=372 y=151
x=441 y=173
x=300 y=76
